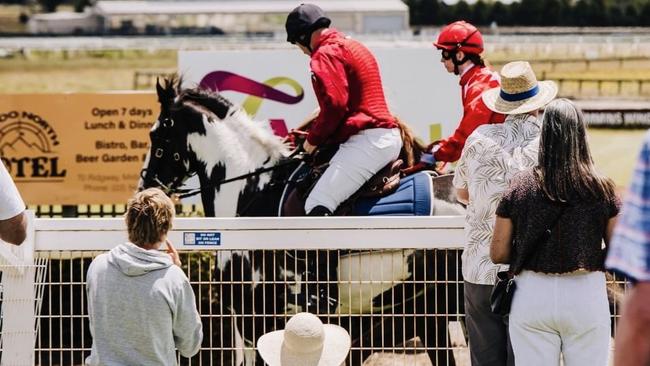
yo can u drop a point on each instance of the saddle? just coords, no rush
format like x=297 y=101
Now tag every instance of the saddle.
x=413 y=197
x=384 y=182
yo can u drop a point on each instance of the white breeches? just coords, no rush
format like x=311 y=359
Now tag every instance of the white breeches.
x=356 y=161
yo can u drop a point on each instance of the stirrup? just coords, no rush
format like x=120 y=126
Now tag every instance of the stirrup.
x=320 y=211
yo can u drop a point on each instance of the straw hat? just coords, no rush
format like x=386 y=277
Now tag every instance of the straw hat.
x=305 y=341
x=520 y=92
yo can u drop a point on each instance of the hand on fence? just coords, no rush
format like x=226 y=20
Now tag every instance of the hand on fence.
x=173 y=253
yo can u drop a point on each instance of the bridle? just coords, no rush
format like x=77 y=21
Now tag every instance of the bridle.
x=164 y=151
x=184 y=193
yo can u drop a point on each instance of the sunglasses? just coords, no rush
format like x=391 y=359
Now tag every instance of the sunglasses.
x=446 y=55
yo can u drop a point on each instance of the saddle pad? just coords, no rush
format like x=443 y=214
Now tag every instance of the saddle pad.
x=414 y=197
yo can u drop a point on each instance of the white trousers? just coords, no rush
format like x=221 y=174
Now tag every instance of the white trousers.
x=564 y=314
x=356 y=161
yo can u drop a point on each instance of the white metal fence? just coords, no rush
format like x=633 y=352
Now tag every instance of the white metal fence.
x=393 y=282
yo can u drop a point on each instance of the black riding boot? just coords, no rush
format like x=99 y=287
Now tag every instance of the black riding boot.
x=320 y=211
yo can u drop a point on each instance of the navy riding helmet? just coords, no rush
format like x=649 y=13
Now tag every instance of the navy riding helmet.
x=303 y=21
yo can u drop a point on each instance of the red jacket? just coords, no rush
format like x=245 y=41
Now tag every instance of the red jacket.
x=475 y=113
x=346 y=80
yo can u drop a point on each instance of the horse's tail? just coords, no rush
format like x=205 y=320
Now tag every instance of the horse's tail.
x=412 y=146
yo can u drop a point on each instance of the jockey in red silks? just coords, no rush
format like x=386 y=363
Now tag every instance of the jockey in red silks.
x=353 y=109
x=461 y=45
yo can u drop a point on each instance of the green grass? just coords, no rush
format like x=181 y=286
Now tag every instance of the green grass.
x=52 y=72
x=615 y=152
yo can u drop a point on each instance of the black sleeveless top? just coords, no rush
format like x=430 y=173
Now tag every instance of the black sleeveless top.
x=575 y=241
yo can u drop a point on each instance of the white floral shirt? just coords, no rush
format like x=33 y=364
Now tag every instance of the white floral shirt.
x=492 y=155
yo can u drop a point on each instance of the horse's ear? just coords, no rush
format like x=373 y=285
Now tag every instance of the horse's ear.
x=159 y=89
x=179 y=84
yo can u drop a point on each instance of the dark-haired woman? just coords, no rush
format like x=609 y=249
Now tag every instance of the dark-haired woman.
x=550 y=227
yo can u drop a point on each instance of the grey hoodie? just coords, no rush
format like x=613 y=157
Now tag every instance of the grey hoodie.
x=141 y=309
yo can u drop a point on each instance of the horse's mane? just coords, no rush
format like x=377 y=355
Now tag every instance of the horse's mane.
x=207 y=99
x=211 y=103
x=172 y=95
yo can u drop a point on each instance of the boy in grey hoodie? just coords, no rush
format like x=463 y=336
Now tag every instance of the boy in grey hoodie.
x=140 y=303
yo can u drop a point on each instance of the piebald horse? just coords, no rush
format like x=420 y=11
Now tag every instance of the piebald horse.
x=201 y=132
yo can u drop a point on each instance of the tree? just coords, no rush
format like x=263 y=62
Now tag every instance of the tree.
x=500 y=13
x=460 y=11
x=80 y=5
x=480 y=13
x=581 y=13
x=529 y=12
x=631 y=15
x=431 y=12
x=445 y=14
x=555 y=13
x=49 y=6
x=414 y=11
x=644 y=15
x=597 y=13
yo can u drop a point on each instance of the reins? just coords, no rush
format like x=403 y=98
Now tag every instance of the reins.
x=184 y=193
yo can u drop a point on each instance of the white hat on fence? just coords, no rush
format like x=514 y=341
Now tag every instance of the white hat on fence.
x=305 y=341
x=520 y=92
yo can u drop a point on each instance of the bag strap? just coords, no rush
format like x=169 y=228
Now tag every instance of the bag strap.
x=546 y=233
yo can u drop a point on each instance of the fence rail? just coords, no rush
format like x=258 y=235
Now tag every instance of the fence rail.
x=146 y=79
x=551 y=64
x=601 y=87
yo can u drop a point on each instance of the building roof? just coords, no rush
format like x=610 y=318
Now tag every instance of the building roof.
x=61 y=15
x=124 y=7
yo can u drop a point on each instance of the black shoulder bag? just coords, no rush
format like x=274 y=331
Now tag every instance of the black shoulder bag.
x=504 y=287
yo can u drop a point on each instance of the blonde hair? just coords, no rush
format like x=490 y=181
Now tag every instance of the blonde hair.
x=149 y=216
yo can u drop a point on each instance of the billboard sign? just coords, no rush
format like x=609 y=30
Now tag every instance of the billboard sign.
x=76 y=148
x=275 y=85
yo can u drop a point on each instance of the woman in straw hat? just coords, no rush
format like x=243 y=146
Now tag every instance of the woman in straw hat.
x=492 y=156
x=461 y=45
x=558 y=213
x=305 y=341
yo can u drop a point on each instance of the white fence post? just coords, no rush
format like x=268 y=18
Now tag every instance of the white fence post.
x=17 y=334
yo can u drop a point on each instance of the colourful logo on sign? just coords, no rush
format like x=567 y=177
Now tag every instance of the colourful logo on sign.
x=256 y=91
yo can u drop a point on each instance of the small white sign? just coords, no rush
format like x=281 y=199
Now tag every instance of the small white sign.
x=211 y=238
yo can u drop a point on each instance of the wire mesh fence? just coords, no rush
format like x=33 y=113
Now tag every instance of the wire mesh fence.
x=392 y=302
x=402 y=305
x=21 y=297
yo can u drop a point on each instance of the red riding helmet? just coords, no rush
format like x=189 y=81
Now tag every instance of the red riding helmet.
x=460 y=36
